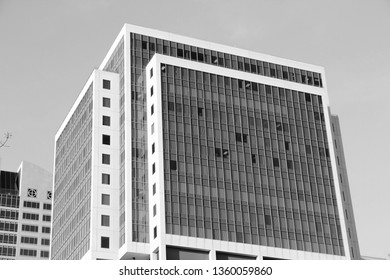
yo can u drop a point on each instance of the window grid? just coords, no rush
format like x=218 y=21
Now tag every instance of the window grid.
x=263 y=162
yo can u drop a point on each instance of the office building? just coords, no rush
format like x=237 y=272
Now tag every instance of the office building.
x=25 y=213
x=178 y=148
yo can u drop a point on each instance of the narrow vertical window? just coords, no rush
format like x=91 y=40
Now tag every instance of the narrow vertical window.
x=105 y=221
x=106 y=139
x=154 y=188
x=105 y=179
x=105 y=242
x=153 y=168
x=173 y=165
x=152 y=110
x=106 y=120
x=105 y=159
x=151 y=91
x=105 y=199
x=106 y=84
x=151 y=72
x=106 y=102
x=153 y=148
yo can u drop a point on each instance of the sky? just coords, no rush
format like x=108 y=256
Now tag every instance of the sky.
x=49 y=48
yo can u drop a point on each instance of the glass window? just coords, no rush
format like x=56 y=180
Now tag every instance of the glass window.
x=106 y=84
x=105 y=221
x=45 y=230
x=46 y=218
x=105 y=178
x=105 y=199
x=106 y=139
x=106 y=120
x=105 y=242
x=105 y=159
x=46 y=206
x=106 y=102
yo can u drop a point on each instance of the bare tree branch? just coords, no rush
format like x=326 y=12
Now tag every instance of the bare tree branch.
x=3 y=143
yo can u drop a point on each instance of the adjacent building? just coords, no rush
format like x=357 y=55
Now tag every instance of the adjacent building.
x=178 y=148
x=25 y=213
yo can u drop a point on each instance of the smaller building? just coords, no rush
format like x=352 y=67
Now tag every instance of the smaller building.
x=25 y=213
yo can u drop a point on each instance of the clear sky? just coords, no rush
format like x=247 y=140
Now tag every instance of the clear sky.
x=49 y=48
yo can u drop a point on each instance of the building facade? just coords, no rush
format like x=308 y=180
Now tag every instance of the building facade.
x=25 y=213
x=183 y=149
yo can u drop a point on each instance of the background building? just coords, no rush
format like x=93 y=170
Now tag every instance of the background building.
x=25 y=213
x=211 y=152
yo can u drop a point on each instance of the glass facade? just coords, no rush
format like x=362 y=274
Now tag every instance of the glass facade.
x=72 y=193
x=142 y=49
x=247 y=162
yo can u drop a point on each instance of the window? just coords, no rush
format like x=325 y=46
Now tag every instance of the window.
x=46 y=206
x=153 y=168
x=154 y=188
x=105 y=159
x=105 y=179
x=153 y=148
x=268 y=220
x=253 y=158
x=171 y=106
x=106 y=120
x=106 y=139
x=30 y=228
x=276 y=162
x=225 y=153
x=45 y=242
x=105 y=242
x=218 y=152
x=26 y=252
x=240 y=137
x=30 y=204
x=106 y=102
x=152 y=110
x=105 y=199
x=105 y=221
x=45 y=230
x=30 y=216
x=200 y=112
x=173 y=165
x=151 y=72
x=29 y=240
x=152 y=128
x=151 y=91
x=45 y=254
x=154 y=210
x=155 y=232
x=46 y=218
x=106 y=84
x=307 y=97
x=290 y=164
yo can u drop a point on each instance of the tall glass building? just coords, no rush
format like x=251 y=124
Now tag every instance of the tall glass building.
x=178 y=148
